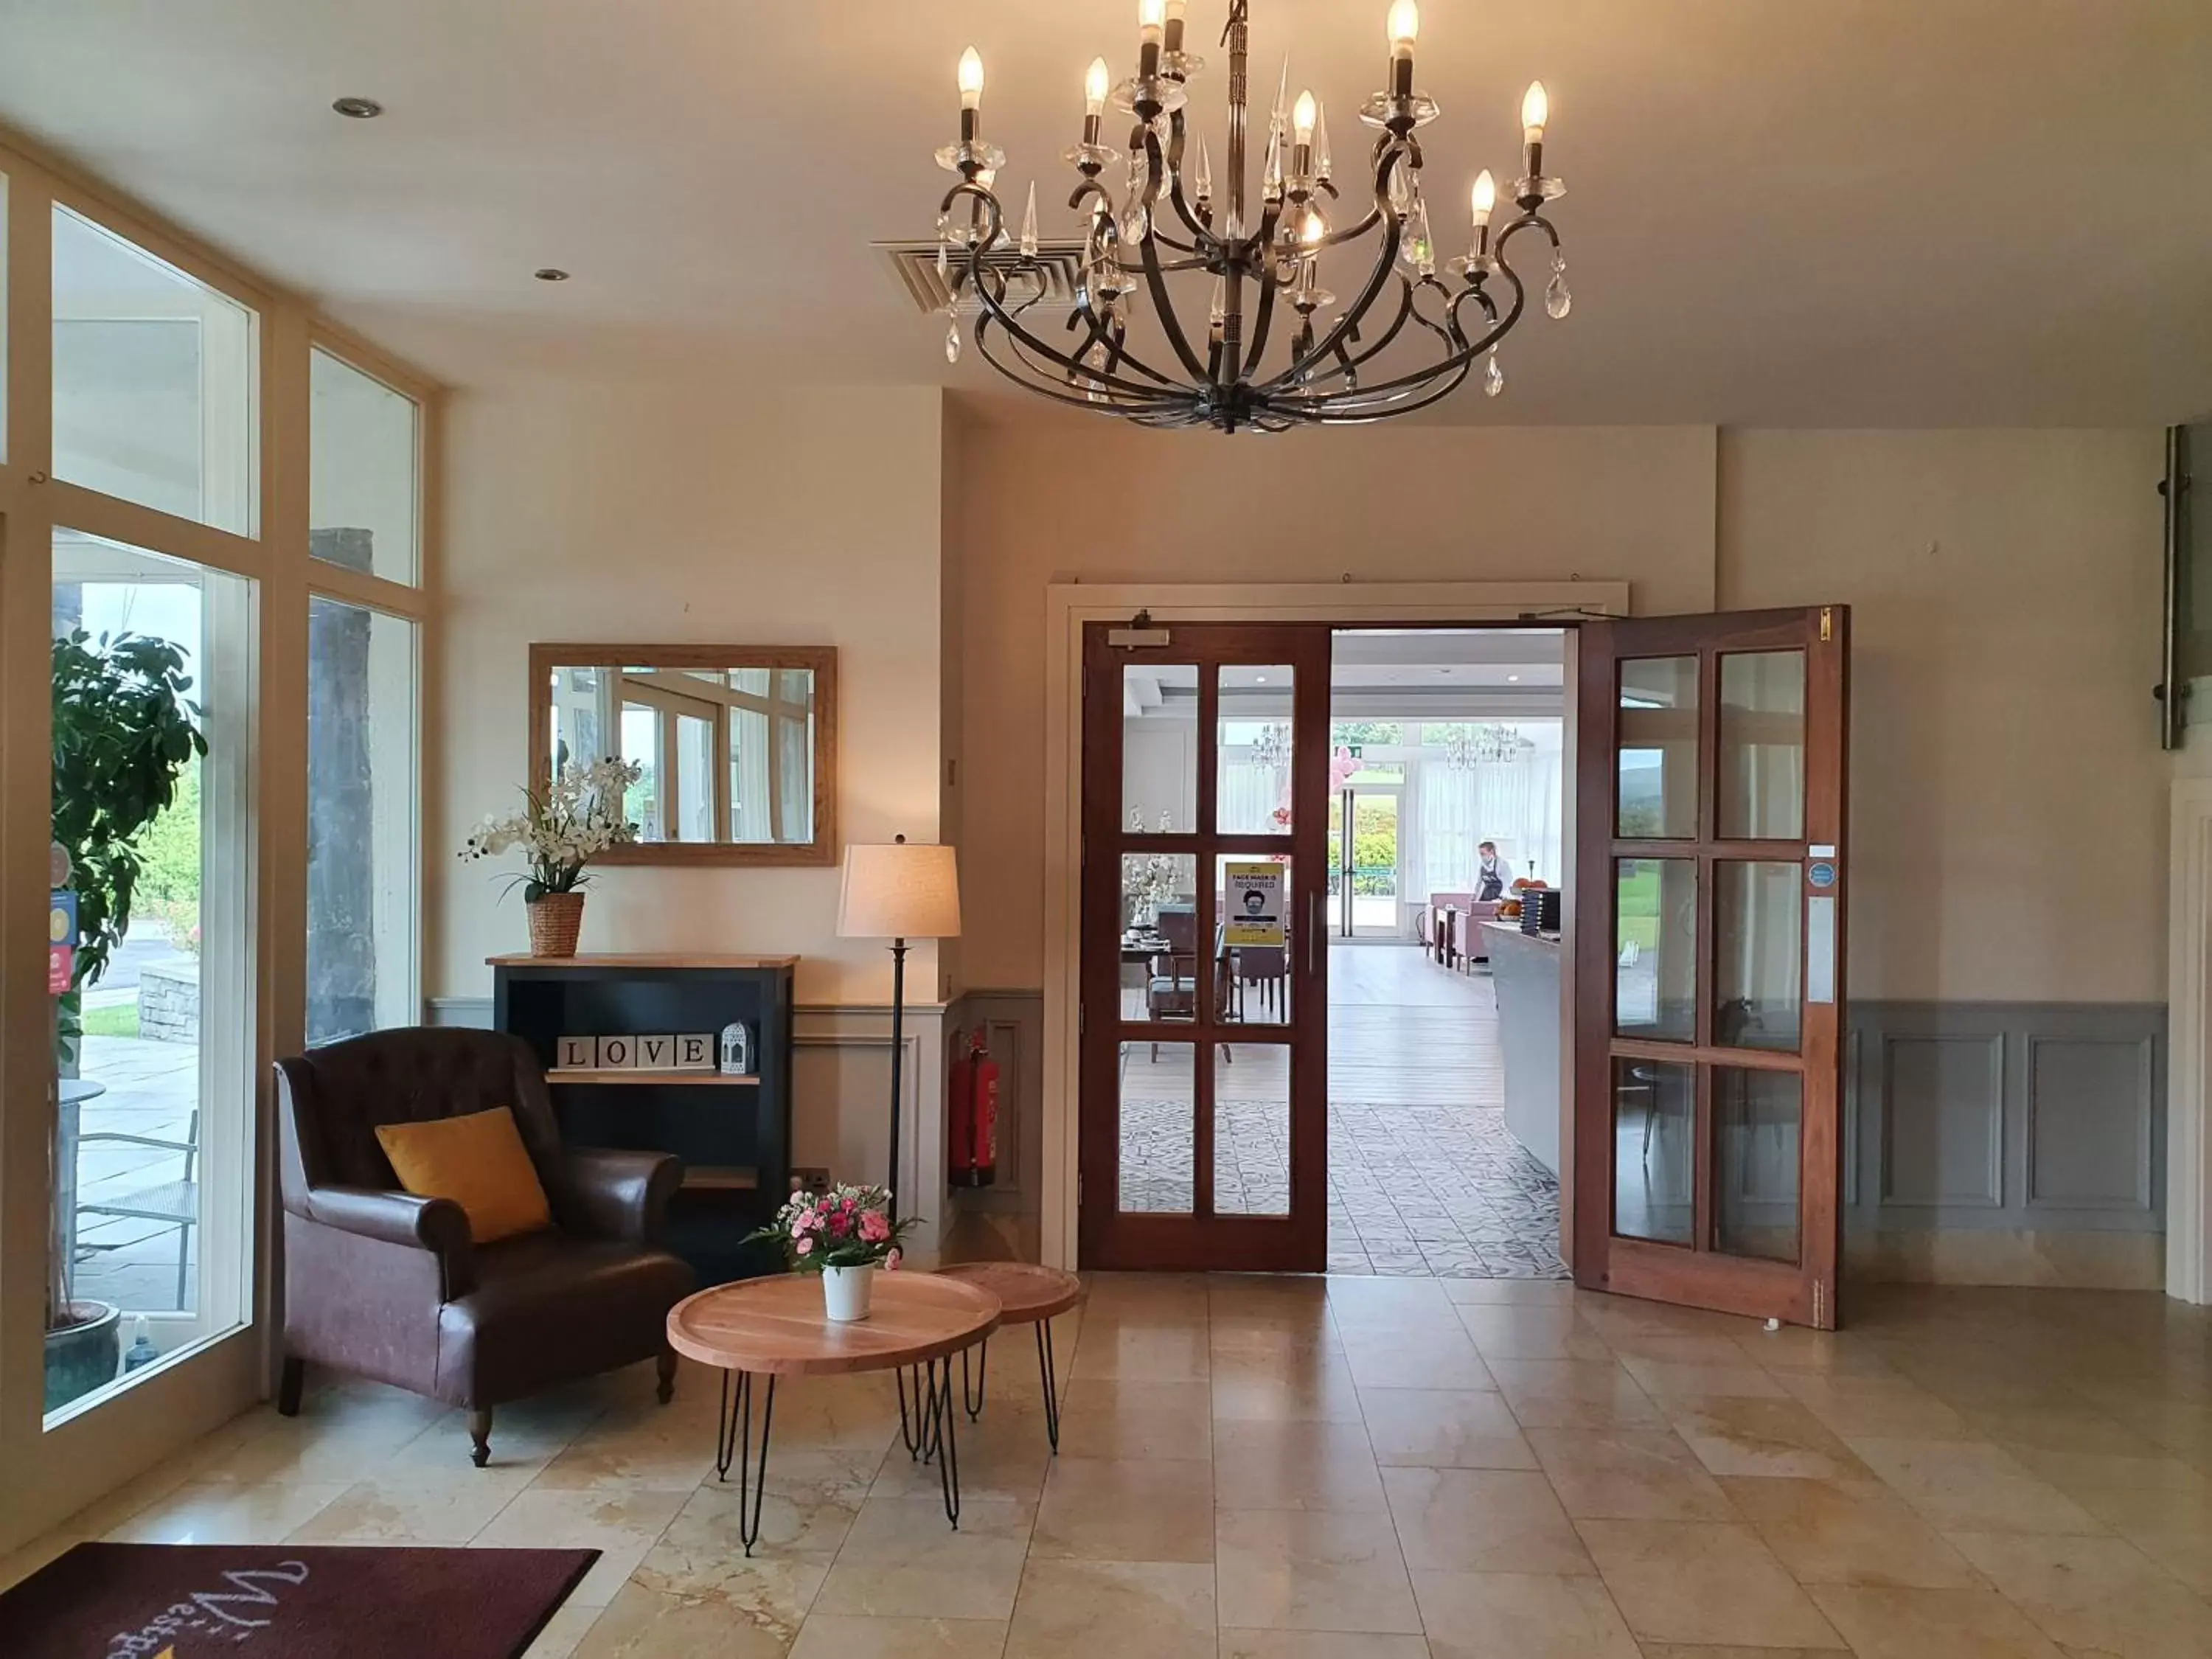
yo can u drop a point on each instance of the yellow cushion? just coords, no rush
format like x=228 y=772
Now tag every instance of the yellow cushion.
x=478 y=1161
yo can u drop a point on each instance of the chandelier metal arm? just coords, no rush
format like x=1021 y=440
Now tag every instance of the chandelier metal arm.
x=1459 y=362
x=1356 y=409
x=1038 y=377
x=1031 y=382
x=991 y=295
x=1389 y=154
x=1171 y=325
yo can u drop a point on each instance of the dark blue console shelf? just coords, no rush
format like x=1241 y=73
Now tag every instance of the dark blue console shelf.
x=734 y=1133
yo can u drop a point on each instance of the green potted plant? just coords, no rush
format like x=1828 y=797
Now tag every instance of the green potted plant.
x=123 y=735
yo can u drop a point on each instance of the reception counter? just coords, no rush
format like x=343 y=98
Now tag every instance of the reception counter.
x=1525 y=968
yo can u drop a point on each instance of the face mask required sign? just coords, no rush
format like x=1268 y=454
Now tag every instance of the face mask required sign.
x=1252 y=905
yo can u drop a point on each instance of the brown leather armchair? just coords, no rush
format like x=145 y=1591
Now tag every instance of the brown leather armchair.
x=388 y=1285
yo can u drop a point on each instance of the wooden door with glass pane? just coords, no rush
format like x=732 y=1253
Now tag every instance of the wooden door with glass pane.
x=1709 y=960
x=1204 y=1105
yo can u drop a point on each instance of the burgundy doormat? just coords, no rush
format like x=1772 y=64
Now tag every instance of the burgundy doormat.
x=286 y=1601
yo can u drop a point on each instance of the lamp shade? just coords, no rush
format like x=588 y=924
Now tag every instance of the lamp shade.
x=899 y=889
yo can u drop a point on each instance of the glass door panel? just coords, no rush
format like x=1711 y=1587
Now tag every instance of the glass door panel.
x=1708 y=972
x=1762 y=745
x=1203 y=1111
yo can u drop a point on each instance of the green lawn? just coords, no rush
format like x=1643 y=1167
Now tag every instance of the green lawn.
x=1639 y=907
x=121 y=1020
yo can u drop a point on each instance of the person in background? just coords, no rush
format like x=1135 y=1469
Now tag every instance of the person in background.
x=1493 y=876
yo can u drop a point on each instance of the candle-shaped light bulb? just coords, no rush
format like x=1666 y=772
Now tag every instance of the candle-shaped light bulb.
x=1313 y=228
x=1152 y=26
x=1302 y=117
x=1095 y=80
x=1486 y=197
x=1405 y=26
x=971 y=79
x=1535 y=111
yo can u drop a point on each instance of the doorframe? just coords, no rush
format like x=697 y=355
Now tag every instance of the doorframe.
x=1068 y=606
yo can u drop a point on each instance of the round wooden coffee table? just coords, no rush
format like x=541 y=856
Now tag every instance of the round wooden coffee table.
x=776 y=1328
x=1029 y=1295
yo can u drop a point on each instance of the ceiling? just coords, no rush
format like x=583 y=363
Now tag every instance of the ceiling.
x=1821 y=212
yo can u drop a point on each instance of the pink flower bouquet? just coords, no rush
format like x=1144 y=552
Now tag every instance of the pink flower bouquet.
x=845 y=1227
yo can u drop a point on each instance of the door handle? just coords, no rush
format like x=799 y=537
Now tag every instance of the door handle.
x=1312 y=926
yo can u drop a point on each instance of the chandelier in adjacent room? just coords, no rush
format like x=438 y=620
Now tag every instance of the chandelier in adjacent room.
x=1468 y=745
x=1264 y=261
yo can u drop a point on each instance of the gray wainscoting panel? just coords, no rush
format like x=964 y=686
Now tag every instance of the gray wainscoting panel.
x=2031 y=1116
x=2080 y=1153
x=1943 y=1136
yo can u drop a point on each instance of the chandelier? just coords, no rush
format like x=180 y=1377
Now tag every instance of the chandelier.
x=1167 y=220
x=1468 y=745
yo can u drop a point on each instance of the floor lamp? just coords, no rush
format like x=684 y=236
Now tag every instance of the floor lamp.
x=899 y=890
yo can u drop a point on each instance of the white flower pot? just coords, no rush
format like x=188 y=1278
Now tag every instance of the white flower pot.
x=845 y=1292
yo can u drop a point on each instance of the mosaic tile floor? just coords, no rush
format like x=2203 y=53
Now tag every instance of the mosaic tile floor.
x=1424 y=1178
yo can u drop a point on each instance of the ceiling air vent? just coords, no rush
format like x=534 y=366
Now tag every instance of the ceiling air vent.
x=1057 y=263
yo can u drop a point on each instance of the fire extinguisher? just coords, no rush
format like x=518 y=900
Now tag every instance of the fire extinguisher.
x=973 y=1112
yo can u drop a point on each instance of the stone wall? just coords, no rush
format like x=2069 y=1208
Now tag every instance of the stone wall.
x=169 y=1004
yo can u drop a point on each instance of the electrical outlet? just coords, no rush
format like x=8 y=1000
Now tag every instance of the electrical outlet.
x=807 y=1178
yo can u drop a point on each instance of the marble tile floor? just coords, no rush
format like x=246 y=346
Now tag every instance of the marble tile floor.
x=1340 y=1468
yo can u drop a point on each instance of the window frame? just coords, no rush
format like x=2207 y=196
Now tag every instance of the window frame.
x=60 y=1467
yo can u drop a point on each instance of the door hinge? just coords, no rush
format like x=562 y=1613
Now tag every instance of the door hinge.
x=1820 y=1304
x=1828 y=624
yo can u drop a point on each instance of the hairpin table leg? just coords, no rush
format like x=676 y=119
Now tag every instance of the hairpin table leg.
x=733 y=1438
x=974 y=1401
x=913 y=1430
x=1049 y=1376
x=943 y=1438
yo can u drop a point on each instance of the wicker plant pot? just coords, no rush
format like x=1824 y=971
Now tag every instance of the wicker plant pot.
x=554 y=921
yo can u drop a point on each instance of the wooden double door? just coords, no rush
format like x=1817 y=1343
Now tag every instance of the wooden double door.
x=1702 y=1033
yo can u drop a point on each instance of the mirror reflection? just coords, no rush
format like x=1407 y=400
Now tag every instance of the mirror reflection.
x=731 y=753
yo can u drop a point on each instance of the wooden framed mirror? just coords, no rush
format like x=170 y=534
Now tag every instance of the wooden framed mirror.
x=739 y=744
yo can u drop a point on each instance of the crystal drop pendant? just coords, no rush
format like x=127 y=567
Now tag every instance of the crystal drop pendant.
x=1493 y=377
x=951 y=340
x=1030 y=225
x=1414 y=244
x=1322 y=170
x=1201 y=176
x=944 y=263
x=1558 y=302
x=1135 y=223
x=1271 y=181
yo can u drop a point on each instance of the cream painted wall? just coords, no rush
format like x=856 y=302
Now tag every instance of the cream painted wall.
x=2009 y=794
x=2008 y=791
x=683 y=513
x=1048 y=503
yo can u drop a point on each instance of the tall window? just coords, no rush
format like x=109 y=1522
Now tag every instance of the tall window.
x=363 y=479
x=362 y=862
x=154 y=1034
x=154 y=381
x=364 y=511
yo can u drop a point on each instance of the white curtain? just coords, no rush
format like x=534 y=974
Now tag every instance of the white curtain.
x=1514 y=803
x=1249 y=794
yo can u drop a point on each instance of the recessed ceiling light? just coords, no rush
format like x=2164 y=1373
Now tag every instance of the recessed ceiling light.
x=1513 y=679
x=358 y=109
x=551 y=274
x=1262 y=679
